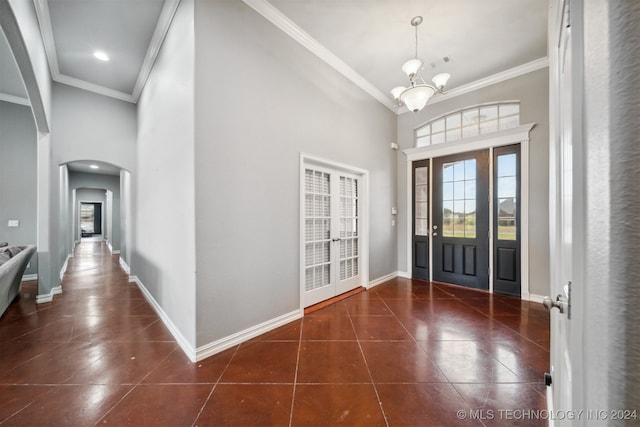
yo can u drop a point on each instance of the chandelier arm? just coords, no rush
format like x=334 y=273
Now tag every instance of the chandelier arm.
x=416 y=52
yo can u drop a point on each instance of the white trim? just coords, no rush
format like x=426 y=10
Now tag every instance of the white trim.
x=383 y=279
x=363 y=175
x=29 y=277
x=404 y=274
x=491 y=225
x=42 y=298
x=125 y=267
x=180 y=339
x=109 y=247
x=222 y=344
x=13 y=99
x=410 y=218
x=162 y=27
x=116 y=252
x=269 y=12
x=64 y=267
x=493 y=79
x=524 y=219
x=480 y=142
x=515 y=135
x=535 y=298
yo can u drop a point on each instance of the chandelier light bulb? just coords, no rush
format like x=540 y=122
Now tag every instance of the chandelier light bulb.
x=440 y=80
x=397 y=91
x=411 y=67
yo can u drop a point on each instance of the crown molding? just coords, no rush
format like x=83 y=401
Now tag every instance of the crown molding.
x=500 y=77
x=14 y=99
x=162 y=27
x=268 y=11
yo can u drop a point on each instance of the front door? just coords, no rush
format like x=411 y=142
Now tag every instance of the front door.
x=460 y=227
x=332 y=224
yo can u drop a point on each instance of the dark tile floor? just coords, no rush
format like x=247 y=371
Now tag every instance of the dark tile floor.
x=405 y=353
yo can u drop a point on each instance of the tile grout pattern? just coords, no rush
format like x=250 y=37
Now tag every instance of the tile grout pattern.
x=405 y=353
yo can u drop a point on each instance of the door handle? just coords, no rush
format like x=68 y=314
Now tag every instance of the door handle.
x=435 y=233
x=560 y=303
x=336 y=239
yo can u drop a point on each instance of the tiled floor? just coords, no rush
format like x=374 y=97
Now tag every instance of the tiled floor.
x=406 y=353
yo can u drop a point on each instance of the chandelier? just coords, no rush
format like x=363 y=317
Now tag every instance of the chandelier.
x=416 y=96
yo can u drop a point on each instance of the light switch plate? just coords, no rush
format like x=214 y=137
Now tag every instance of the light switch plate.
x=394 y=211
x=13 y=223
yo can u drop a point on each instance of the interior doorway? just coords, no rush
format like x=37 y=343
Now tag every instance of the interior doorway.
x=91 y=220
x=333 y=216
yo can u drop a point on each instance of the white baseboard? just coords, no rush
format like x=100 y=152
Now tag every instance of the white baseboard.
x=29 y=277
x=188 y=349
x=536 y=298
x=49 y=297
x=64 y=267
x=380 y=280
x=404 y=274
x=116 y=252
x=217 y=346
x=126 y=268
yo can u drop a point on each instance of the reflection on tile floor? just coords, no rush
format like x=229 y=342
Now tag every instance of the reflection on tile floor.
x=405 y=353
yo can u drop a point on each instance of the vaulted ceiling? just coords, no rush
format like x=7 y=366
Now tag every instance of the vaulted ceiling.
x=366 y=40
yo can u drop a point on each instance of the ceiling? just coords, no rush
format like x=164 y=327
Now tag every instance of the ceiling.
x=84 y=166
x=366 y=40
x=11 y=86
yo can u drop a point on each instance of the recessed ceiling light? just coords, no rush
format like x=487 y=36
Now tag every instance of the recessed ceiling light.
x=101 y=55
x=94 y=167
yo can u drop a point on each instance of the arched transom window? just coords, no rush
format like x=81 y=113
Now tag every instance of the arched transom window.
x=469 y=122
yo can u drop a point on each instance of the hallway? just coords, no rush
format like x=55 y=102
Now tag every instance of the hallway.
x=404 y=353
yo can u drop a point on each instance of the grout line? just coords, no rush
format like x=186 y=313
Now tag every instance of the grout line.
x=295 y=377
x=215 y=385
x=416 y=342
x=366 y=364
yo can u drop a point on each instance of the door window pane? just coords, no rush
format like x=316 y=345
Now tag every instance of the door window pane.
x=459 y=199
x=507 y=196
x=317 y=207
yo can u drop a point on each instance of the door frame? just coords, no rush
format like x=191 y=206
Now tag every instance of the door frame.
x=308 y=160
x=516 y=135
x=102 y=218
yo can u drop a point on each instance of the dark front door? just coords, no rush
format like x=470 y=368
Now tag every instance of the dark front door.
x=460 y=227
x=506 y=220
x=420 y=224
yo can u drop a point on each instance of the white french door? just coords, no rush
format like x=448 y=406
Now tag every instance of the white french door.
x=332 y=236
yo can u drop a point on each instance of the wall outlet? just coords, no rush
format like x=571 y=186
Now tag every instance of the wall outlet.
x=13 y=223
x=394 y=211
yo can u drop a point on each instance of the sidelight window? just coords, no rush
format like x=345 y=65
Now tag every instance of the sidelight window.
x=507 y=197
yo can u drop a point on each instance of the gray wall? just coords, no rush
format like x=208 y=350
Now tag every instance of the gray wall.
x=262 y=99
x=532 y=90
x=18 y=186
x=163 y=255
x=102 y=182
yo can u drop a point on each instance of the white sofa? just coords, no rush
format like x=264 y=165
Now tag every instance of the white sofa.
x=13 y=263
